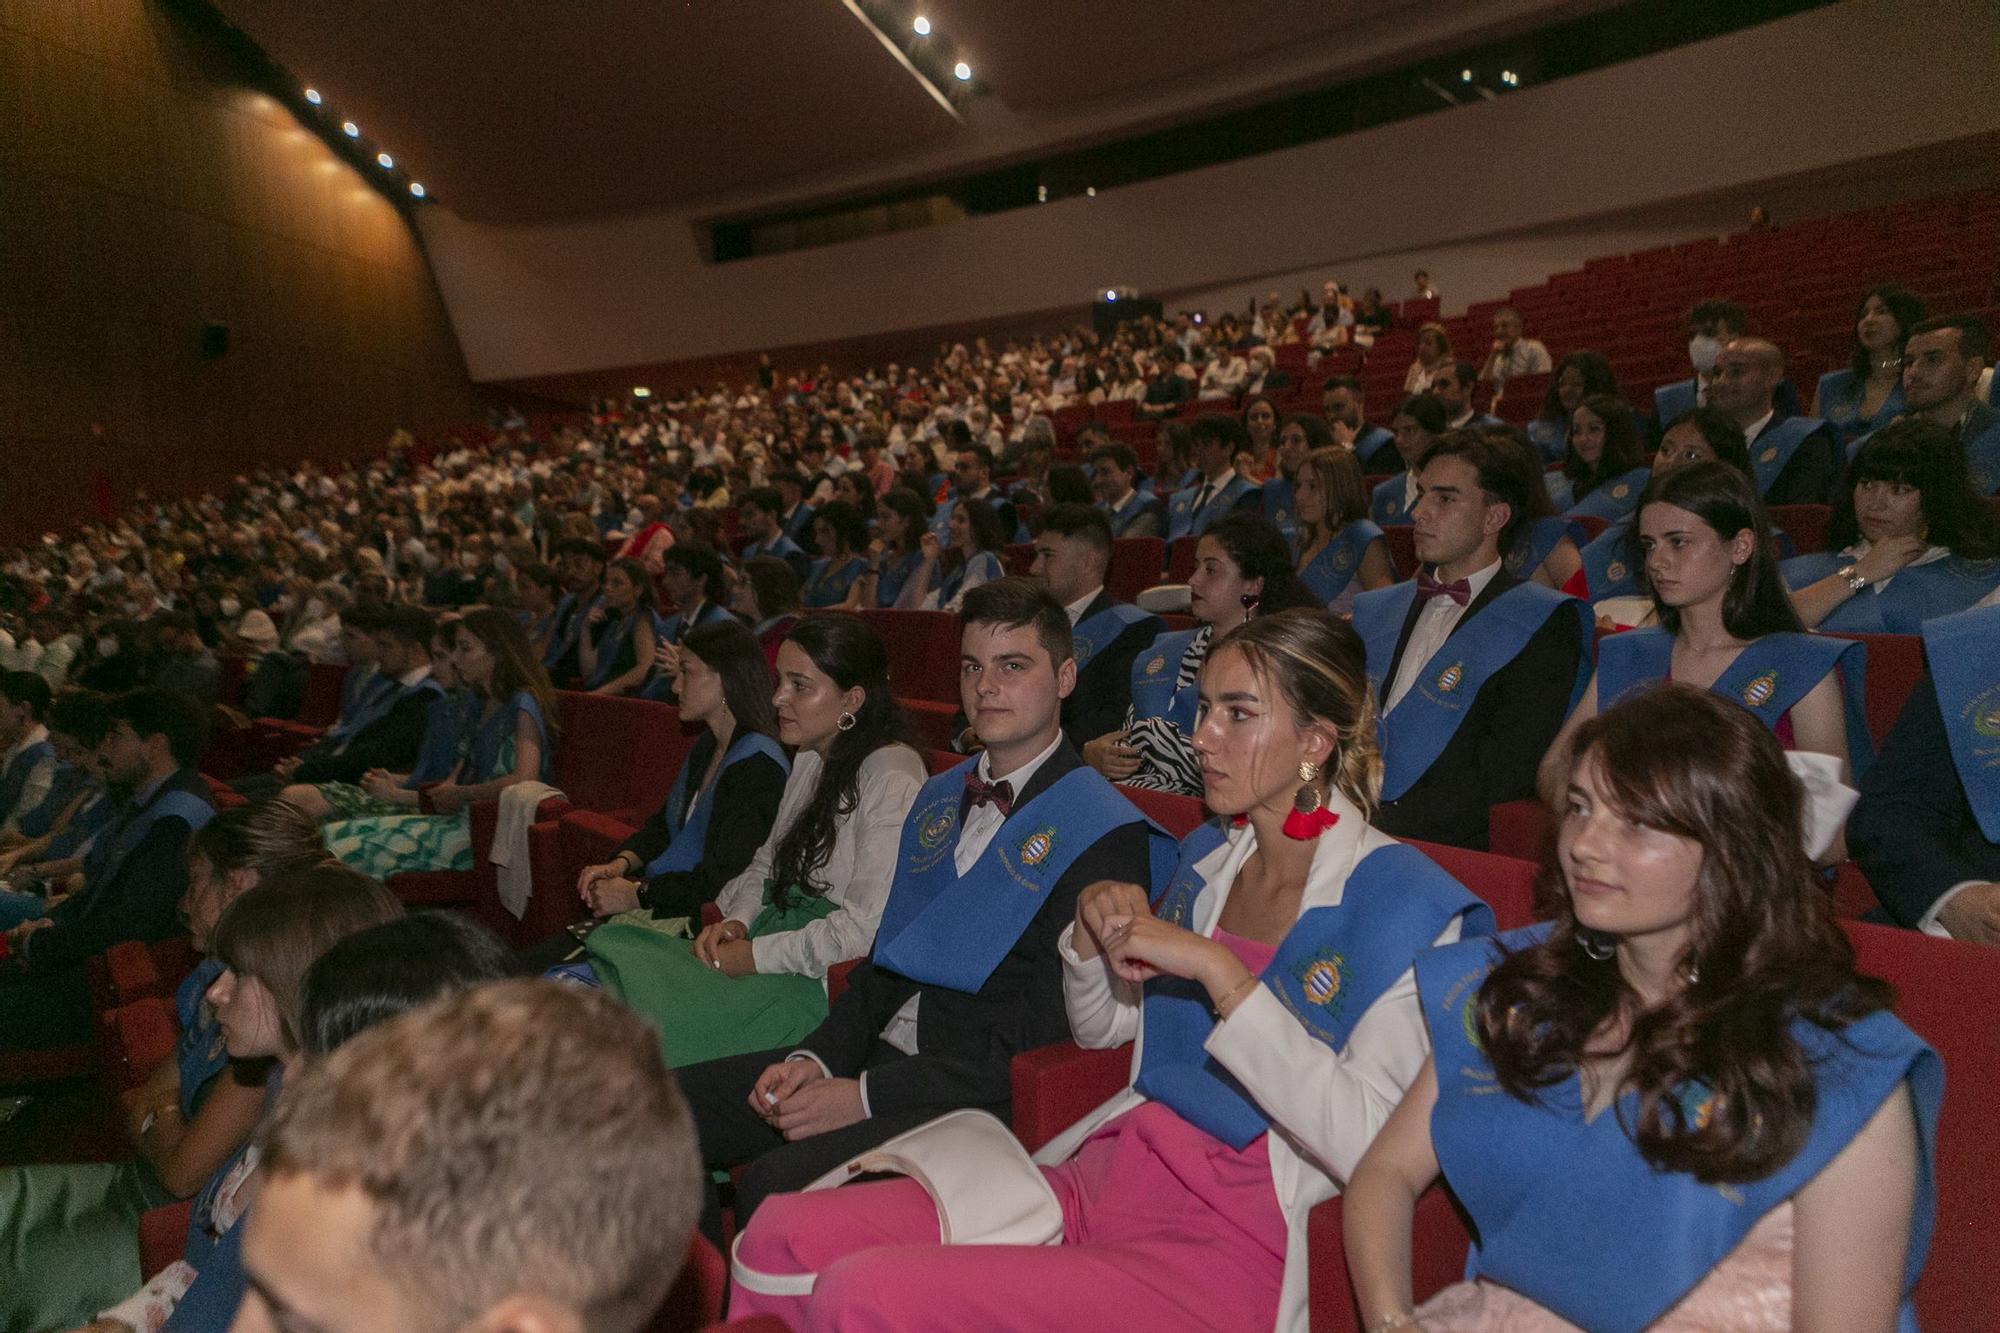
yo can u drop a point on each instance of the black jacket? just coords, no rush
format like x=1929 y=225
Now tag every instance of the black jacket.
x=746 y=804
x=1913 y=831
x=966 y=1042
x=1493 y=755
x=1812 y=474
x=390 y=742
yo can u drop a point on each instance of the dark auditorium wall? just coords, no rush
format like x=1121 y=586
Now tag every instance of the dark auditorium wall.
x=146 y=188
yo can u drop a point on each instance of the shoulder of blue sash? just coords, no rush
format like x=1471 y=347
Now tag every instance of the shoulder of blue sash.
x=1446 y=974
x=195 y=811
x=817 y=568
x=951 y=779
x=1835 y=383
x=753 y=743
x=1171 y=644
x=1359 y=532
x=1643 y=645
x=1126 y=614
x=1978 y=627
x=525 y=702
x=1399 y=872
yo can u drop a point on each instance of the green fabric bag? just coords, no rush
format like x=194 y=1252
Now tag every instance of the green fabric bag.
x=69 y=1242
x=700 y=1013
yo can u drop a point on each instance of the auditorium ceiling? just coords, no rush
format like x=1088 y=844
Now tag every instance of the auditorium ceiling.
x=535 y=111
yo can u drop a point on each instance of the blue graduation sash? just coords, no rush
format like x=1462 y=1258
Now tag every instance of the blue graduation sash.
x=1840 y=406
x=940 y=520
x=15 y=776
x=895 y=573
x=1615 y=499
x=1099 y=631
x=569 y=630
x=1962 y=649
x=799 y=522
x=1339 y=560
x=199 y=1053
x=84 y=826
x=1538 y=541
x=1124 y=517
x=615 y=639
x=483 y=759
x=1331 y=966
x=673 y=629
x=381 y=703
x=946 y=929
x=1550 y=438
x=1773 y=449
x=1982 y=458
x=1414 y=733
x=1768 y=677
x=688 y=838
x=1670 y=400
x=1183 y=521
x=1385 y=503
x=1369 y=443
x=1281 y=507
x=1569 y=1214
x=956 y=579
x=361 y=704
x=779 y=547
x=1153 y=673
x=828 y=586
x=445 y=721
x=126 y=829
x=1611 y=563
x=1917 y=594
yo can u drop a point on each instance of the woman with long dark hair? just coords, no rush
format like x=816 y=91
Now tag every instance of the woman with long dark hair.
x=839 y=534
x=1725 y=625
x=1242 y=567
x=1676 y=1105
x=510 y=741
x=895 y=553
x=1604 y=466
x=1578 y=376
x=1299 y=436
x=813 y=892
x=972 y=557
x=1910 y=539
x=1867 y=394
x=615 y=653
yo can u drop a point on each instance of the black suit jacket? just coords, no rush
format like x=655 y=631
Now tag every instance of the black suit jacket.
x=966 y=1043
x=390 y=742
x=746 y=805
x=1812 y=474
x=1493 y=755
x=1103 y=690
x=1913 y=831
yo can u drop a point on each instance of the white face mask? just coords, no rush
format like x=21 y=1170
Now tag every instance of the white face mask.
x=107 y=646
x=1702 y=350
x=229 y=606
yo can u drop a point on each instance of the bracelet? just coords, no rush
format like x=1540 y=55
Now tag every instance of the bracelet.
x=1233 y=992
x=1399 y=1319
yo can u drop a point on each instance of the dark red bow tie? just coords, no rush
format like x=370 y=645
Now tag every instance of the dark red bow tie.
x=1000 y=793
x=1459 y=590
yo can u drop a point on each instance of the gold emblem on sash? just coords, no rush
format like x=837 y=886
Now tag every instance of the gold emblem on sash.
x=1621 y=490
x=1343 y=559
x=1760 y=689
x=1157 y=665
x=1038 y=845
x=1615 y=570
x=1322 y=980
x=933 y=834
x=1451 y=678
x=1768 y=455
x=1985 y=713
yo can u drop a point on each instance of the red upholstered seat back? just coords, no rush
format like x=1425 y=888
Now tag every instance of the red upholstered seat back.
x=1178 y=815
x=1805 y=524
x=1136 y=563
x=617 y=754
x=1503 y=883
x=320 y=704
x=923 y=652
x=1895 y=665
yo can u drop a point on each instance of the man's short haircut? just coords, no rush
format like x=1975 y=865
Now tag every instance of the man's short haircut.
x=411 y=626
x=82 y=715
x=1014 y=602
x=1499 y=472
x=1219 y=428
x=1351 y=383
x=1718 y=311
x=578 y=546
x=25 y=687
x=522 y=1137
x=980 y=452
x=1086 y=523
x=1119 y=456
x=1464 y=373
x=765 y=498
x=1425 y=410
x=697 y=562
x=180 y=717
x=1975 y=340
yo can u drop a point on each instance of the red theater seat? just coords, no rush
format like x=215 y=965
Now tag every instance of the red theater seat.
x=923 y=652
x=1805 y=524
x=1135 y=566
x=1895 y=665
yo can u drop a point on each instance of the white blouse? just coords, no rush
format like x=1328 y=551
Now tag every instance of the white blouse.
x=857 y=873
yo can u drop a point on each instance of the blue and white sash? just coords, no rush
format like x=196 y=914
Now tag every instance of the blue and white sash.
x=1331 y=966
x=1099 y=631
x=941 y=928
x=1611 y=562
x=1369 y=443
x=1183 y=521
x=1386 y=502
x=1154 y=671
x=1281 y=506
x=1569 y=1214
x=1332 y=571
x=688 y=837
x=1914 y=596
x=1962 y=650
x=127 y=828
x=1614 y=500
x=1538 y=541
x=827 y=585
x=895 y=573
x=1125 y=516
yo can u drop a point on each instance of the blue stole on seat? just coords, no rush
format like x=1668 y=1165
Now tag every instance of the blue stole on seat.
x=688 y=837
x=83 y=826
x=1282 y=508
x=1153 y=673
x=779 y=547
x=1613 y=499
x=570 y=630
x=829 y=586
x=1961 y=650
x=1385 y=502
x=1568 y=1213
x=1369 y=442
x=1339 y=560
x=1550 y=438
x=1183 y=521
x=1670 y=400
x=1611 y=563
x=127 y=827
x=1773 y=449
x=941 y=928
x=70 y=780
x=1331 y=966
x=1916 y=595
x=1098 y=631
x=1415 y=732
x=1125 y=516
x=956 y=579
x=15 y=776
x=1839 y=401
x=1537 y=543
x=1768 y=677
x=446 y=720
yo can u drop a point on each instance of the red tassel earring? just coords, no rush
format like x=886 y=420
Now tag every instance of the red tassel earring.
x=1309 y=817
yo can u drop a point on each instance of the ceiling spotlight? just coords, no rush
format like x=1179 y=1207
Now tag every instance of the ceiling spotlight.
x=1091 y=192
x=386 y=161
x=312 y=95
x=350 y=129
x=1110 y=293
x=1041 y=194
x=1465 y=76
x=963 y=72
x=641 y=391
x=417 y=189
x=1509 y=77
x=922 y=25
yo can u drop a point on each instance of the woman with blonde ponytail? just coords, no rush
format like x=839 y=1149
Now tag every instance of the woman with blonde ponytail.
x=1271 y=995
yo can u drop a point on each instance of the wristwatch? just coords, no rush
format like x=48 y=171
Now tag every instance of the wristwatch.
x=1855 y=582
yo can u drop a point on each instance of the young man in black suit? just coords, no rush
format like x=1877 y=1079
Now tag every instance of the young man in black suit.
x=964 y=972
x=1474 y=669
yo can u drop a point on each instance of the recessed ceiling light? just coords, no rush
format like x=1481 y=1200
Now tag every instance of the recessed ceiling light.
x=386 y=161
x=350 y=129
x=312 y=95
x=963 y=71
x=417 y=189
x=922 y=25
x=1091 y=192
x=1465 y=75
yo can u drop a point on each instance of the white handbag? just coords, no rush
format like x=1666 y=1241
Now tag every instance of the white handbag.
x=986 y=1188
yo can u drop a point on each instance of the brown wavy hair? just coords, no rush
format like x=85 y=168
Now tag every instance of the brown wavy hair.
x=1763 y=944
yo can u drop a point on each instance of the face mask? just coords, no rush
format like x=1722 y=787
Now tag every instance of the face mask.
x=229 y=606
x=107 y=647
x=1702 y=350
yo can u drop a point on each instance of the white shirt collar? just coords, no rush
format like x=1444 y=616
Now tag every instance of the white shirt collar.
x=1756 y=428
x=414 y=676
x=1076 y=608
x=1931 y=553
x=1478 y=579
x=1459 y=423
x=1022 y=776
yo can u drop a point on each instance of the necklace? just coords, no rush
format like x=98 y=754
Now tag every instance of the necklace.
x=1889 y=363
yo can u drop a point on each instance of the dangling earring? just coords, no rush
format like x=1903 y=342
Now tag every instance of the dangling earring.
x=845 y=722
x=1250 y=601
x=1595 y=944
x=1693 y=974
x=1309 y=817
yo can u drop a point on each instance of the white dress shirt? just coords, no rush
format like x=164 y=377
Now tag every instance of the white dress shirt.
x=1756 y=428
x=1439 y=617
x=1075 y=612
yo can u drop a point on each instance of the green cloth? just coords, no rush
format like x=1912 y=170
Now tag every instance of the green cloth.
x=69 y=1242
x=700 y=1013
